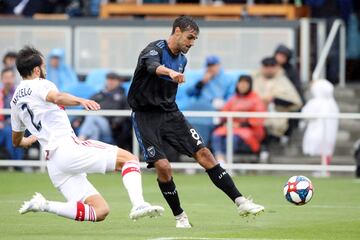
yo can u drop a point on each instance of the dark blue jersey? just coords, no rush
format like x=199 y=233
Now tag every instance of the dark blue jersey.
x=148 y=91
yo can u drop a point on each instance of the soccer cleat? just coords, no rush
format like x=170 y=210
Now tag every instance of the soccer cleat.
x=182 y=221
x=145 y=210
x=247 y=207
x=36 y=204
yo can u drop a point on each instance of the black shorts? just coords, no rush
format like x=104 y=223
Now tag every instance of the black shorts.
x=154 y=128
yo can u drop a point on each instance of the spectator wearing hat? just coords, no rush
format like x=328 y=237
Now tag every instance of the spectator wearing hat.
x=114 y=130
x=58 y=71
x=248 y=132
x=283 y=57
x=208 y=93
x=277 y=92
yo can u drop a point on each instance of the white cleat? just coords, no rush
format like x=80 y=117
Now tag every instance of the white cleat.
x=36 y=204
x=182 y=221
x=247 y=207
x=145 y=210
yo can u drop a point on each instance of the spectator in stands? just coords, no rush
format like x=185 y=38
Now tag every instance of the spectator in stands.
x=9 y=62
x=30 y=7
x=248 y=132
x=208 y=93
x=283 y=57
x=320 y=134
x=6 y=94
x=58 y=71
x=9 y=59
x=277 y=92
x=113 y=130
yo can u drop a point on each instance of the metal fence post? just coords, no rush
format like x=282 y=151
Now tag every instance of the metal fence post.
x=229 y=144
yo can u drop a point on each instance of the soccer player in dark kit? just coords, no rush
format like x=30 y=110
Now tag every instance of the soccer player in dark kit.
x=157 y=119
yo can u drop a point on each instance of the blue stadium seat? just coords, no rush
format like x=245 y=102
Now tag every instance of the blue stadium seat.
x=96 y=79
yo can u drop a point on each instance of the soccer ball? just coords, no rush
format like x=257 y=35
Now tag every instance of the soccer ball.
x=298 y=190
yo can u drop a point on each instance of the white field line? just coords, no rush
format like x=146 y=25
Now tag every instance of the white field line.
x=208 y=238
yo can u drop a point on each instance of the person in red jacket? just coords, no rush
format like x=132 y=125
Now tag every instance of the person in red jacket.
x=248 y=132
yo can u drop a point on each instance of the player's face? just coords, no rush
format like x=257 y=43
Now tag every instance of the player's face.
x=186 y=40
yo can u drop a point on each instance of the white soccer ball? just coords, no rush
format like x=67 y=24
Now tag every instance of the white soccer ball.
x=298 y=190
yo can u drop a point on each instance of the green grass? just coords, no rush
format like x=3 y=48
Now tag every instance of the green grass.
x=333 y=213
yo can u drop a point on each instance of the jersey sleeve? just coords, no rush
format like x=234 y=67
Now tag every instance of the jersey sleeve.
x=16 y=124
x=150 y=57
x=45 y=87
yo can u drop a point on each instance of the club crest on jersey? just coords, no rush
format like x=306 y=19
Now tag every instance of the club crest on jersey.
x=153 y=53
x=151 y=151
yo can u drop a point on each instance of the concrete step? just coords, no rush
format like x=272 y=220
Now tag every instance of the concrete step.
x=337 y=160
x=348 y=107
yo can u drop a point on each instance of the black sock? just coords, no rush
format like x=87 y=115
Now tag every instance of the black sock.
x=169 y=192
x=222 y=180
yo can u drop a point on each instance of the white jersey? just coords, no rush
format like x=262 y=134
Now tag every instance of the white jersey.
x=45 y=120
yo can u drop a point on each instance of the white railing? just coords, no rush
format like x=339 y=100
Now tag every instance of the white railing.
x=229 y=153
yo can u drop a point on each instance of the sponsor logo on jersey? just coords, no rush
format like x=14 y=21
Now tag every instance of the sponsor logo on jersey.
x=153 y=53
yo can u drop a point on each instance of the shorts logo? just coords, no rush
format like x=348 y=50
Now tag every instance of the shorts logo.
x=153 y=53
x=151 y=151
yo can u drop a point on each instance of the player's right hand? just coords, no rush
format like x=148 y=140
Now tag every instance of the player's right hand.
x=177 y=77
x=90 y=105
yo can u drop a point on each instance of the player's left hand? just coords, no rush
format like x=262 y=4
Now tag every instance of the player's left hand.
x=90 y=105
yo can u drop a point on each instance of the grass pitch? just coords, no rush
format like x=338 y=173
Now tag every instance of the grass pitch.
x=333 y=213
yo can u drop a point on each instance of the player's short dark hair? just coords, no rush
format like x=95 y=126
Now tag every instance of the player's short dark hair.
x=7 y=69
x=185 y=23
x=27 y=59
x=10 y=54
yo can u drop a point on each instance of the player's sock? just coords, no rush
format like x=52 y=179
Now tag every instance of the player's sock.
x=132 y=182
x=222 y=180
x=171 y=196
x=74 y=210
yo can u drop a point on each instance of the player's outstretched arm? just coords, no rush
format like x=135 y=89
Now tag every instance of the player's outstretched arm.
x=66 y=99
x=175 y=76
x=19 y=140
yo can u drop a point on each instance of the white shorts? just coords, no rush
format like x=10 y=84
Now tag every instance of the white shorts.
x=68 y=164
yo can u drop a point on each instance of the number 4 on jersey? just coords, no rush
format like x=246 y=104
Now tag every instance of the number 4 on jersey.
x=36 y=125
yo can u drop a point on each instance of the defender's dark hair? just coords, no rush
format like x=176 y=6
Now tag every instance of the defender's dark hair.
x=185 y=23
x=9 y=55
x=27 y=59
x=7 y=69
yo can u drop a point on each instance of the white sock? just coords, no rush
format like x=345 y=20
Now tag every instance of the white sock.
x=74 y=210
x=132 y=182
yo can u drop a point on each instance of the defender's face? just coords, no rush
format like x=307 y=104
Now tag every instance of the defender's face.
x=186 y=39
x=43 y=69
